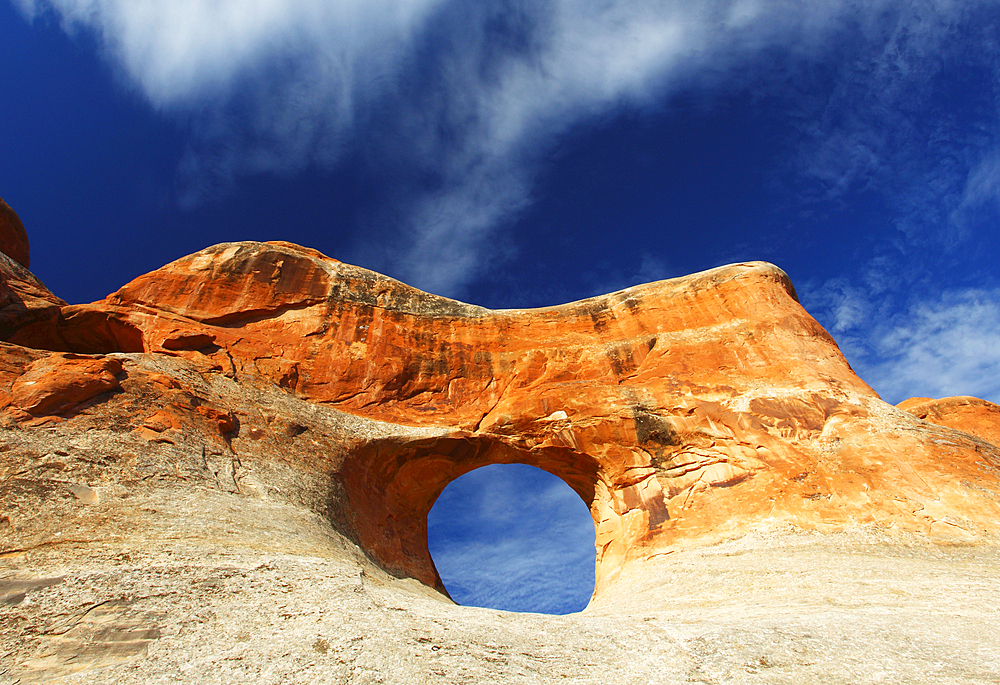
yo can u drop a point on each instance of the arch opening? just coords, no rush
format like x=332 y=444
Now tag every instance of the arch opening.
x=513 y=537
x=389 y=485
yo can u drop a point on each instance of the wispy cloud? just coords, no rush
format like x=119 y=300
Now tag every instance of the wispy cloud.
x=456 y=103
x=516 y=538
x=950 y=346
x=190 y=51
x=913 y=116
x=943 y=345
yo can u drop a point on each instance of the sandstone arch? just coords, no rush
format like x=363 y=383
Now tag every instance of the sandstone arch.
x=684 y=412
x=392 y=484
x=180 y=450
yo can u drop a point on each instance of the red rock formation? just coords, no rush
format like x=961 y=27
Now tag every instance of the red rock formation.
x=24 y=300
x=968 y=414
x=58 y=383
x=13 y=238
x=683 y=412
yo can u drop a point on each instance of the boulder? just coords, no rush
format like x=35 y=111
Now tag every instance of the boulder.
x=60 y=382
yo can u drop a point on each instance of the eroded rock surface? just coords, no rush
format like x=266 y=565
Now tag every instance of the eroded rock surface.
x=13 y=237
x=260 y=430
x=24 y=299
x=968 y=414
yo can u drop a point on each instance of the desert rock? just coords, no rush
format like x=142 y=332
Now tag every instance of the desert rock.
x=968 y=414
x=256 y=433
x=23 y=298
x=58 y=383
x=13 y=237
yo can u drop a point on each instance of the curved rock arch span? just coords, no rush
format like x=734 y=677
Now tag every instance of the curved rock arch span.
x=194 y=451
x=392 y=484
x=684 y=412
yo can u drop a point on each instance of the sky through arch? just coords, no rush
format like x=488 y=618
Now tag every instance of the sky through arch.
x=513 y=537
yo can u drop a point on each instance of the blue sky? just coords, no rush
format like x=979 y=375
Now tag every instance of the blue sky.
x=517 y=154
x=516 y=537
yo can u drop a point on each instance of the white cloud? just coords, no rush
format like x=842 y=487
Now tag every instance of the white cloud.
x=515 y=576
x=941 y=348
x=942 y=345
x=982 y=187
x=186 y=48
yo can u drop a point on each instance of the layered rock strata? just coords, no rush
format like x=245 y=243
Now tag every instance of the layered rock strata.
x=311 y=406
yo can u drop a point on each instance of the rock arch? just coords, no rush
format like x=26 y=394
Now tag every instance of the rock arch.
x=684 y=412
x=392 y=484
x=216 y=415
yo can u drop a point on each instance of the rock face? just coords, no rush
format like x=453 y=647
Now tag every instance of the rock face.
x=13 y=237
x=23 y=298
x=261 y=399
x=968 y=414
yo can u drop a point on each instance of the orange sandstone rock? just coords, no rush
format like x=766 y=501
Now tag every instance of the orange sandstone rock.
x=58 y=383
x=968 y=414
x=683 y=412
x=24 y=299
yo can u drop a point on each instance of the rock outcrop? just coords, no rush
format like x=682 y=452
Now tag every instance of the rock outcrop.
x=967 y=414
x=263 y=399
x=13 y=237
x=24 y=299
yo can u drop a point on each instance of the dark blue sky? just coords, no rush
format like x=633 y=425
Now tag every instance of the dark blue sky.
x=517 y=154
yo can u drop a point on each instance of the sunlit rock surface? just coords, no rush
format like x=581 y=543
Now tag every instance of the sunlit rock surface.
x=223 y=471
x=968 y=414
